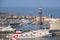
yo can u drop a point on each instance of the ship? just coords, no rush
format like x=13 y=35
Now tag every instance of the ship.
x=31 y=34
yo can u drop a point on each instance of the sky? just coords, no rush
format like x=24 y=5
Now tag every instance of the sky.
x=29 y=3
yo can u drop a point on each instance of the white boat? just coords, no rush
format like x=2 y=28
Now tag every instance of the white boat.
x=7 y=28
x=31 y=34
x=25 y=21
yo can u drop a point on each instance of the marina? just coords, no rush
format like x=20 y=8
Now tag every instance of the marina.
x=28 y=27
x=29 y=20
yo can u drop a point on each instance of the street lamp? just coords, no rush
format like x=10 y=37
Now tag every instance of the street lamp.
x=40 y=13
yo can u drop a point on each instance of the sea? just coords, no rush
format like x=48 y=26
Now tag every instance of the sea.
x=33 y=11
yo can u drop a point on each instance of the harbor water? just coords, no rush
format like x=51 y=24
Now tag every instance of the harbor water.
x=43 y=38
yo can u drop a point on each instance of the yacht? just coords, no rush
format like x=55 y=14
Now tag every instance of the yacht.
x=6 y=28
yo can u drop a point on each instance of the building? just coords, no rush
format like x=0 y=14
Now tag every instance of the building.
x=55 y=24
x=23 y=17
x=37 y=19
x=2 y=21
x=15 y=16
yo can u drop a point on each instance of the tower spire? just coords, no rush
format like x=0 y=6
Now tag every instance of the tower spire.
x=40 y=13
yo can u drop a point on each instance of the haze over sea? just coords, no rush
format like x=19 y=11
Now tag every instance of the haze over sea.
x=33 y=11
